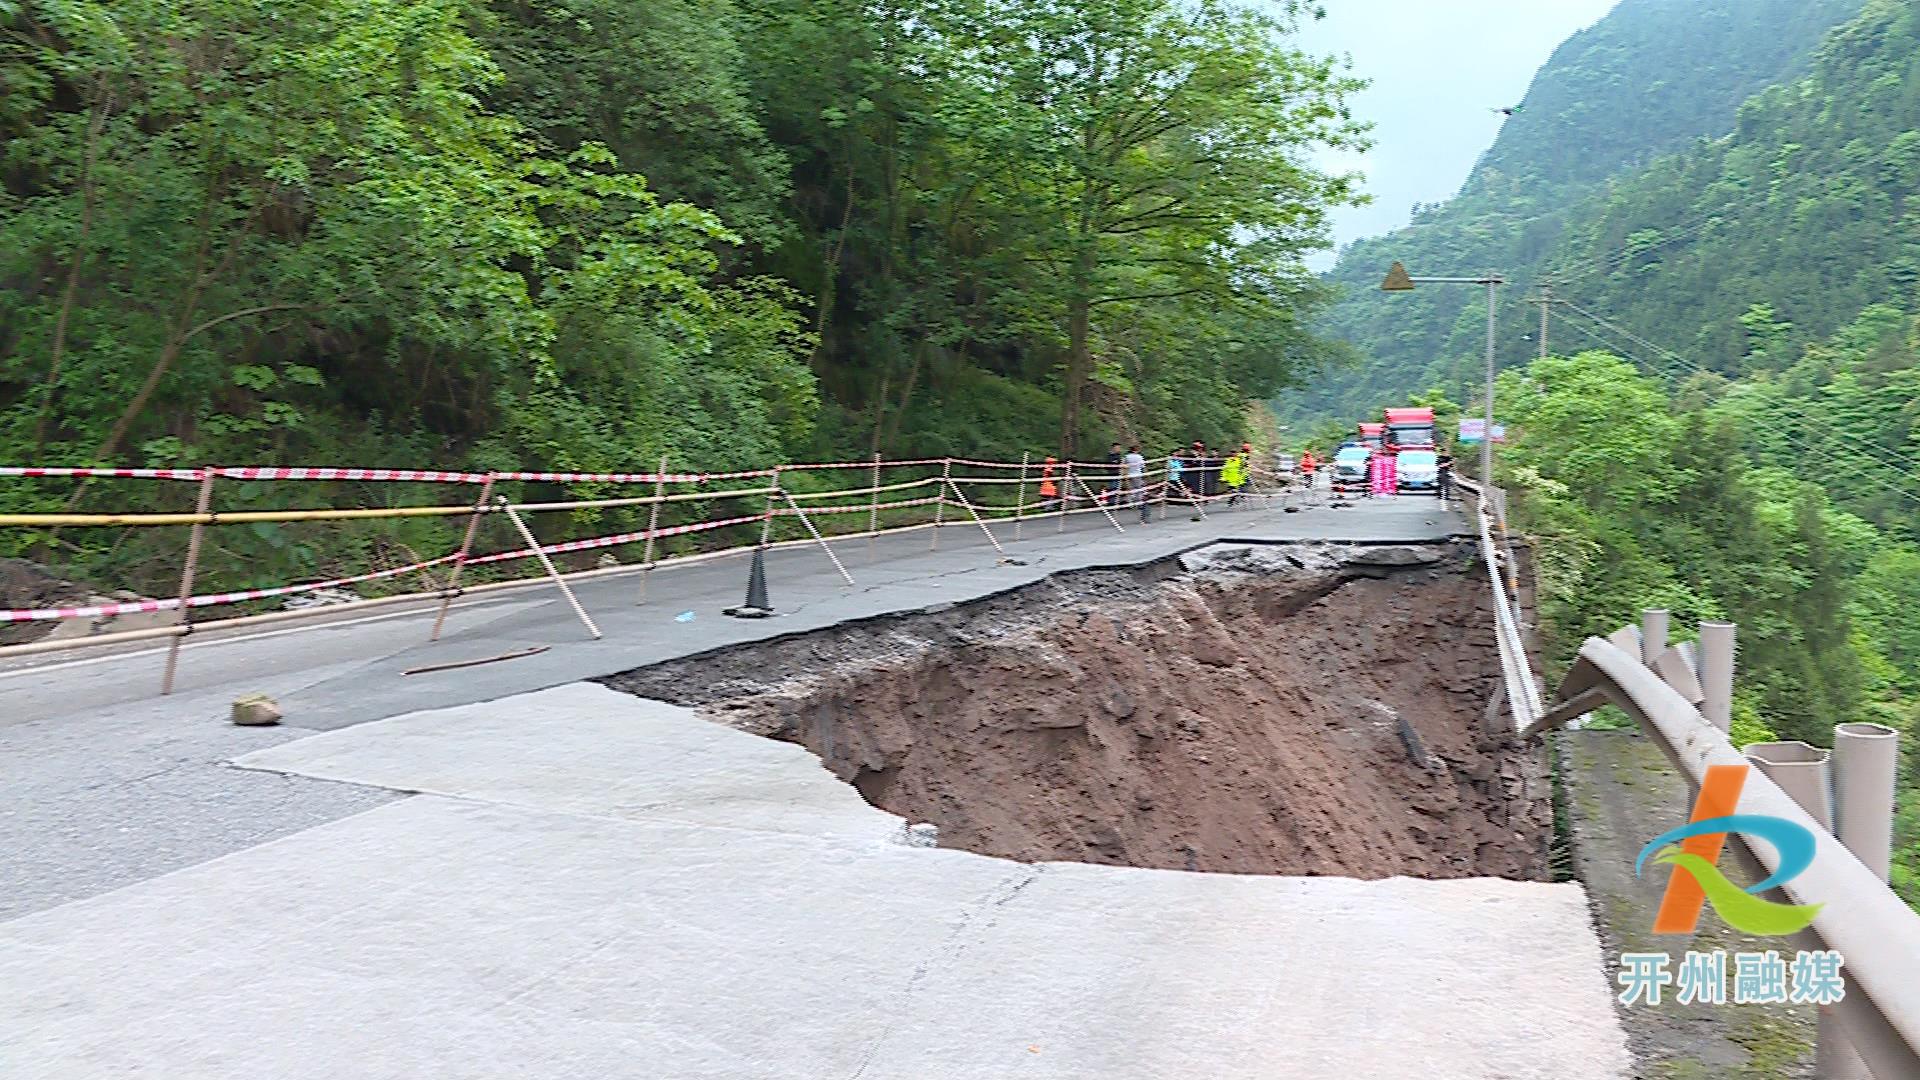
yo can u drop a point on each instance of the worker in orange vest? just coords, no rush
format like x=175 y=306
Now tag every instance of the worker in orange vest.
x=1307 y=465
x=1049 y=492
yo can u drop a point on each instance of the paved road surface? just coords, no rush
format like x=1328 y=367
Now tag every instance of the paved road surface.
x=592 y=885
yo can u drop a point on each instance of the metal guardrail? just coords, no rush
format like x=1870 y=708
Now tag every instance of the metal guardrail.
x=1681 y=696
x=1875 y=1029
x=1516 y=668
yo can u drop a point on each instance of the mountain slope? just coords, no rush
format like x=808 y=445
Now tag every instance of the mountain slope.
x=1651 y=78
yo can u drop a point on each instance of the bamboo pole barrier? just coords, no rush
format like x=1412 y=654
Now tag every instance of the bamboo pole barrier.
x=653 y=526
x=1020 y=495
x=940 y=508
x=766 y=523
x=552 y=572
x=991 y=539
x=642 y=500
x=818 y=539
x=194 y=539
x=214 y=626
x=1103 y=507
x=230 y=517
x=460 y=559
x=1066 y=485
x=805 y=496
x=873 y=511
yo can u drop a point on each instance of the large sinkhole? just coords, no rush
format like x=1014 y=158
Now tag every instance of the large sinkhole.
x=1289 y=709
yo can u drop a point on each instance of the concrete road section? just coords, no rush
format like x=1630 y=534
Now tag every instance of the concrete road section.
x=569 y=917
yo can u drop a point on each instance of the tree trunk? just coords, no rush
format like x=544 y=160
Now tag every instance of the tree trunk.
x=1079 y=366
x=95 y=125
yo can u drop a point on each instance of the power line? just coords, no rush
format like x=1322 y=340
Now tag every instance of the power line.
x=1898 y=466
x=1786 y=435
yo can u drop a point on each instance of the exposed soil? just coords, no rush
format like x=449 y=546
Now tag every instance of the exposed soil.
x=1274 y=710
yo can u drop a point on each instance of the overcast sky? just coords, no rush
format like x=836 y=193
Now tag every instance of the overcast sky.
x=1437 y=67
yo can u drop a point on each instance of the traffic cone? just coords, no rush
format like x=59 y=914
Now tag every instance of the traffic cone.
x=756 y=605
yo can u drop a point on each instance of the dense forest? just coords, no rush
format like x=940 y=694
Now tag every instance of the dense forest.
x=1652 y=78
x=1730 y=425
x=583 y=233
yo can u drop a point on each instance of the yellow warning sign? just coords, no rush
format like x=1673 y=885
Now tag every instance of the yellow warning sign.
x=1397 y=279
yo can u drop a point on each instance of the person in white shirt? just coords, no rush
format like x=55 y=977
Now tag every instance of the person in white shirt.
x=1136 y=469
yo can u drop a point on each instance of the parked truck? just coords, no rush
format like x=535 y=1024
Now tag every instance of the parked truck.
x=1373 y=437
x=1409 y=429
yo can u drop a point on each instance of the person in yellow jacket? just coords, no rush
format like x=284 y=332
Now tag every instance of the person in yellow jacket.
x=1233 y=473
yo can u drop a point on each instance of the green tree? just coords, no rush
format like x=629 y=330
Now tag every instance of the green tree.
x=1148 y=151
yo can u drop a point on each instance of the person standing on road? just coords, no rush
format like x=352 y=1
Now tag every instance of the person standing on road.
x=1049 y=491
x=1115 y=484
x=1233 y=473
x=1136 y=466
x=1445 y=474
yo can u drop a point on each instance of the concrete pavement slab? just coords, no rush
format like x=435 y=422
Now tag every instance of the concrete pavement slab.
x=464 y=940
x=588 y=749
x=92 y=803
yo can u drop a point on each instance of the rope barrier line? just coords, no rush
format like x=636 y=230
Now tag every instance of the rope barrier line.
x=630 y=478
x=231 y=517
x=132 y=607
x=866 y=490
x=611 y=541
x=864 y=507
x=642 y=500
x=1062 y=504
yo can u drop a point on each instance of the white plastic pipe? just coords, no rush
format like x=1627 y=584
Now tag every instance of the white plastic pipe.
x=1653 y=634
x=1716 y=674
x=1865 y=757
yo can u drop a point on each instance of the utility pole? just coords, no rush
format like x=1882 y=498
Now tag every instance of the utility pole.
x=1398 y=280
x=1492 y=282
x=1545 y=300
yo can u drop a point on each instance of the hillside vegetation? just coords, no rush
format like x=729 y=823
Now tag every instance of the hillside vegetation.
x=1651 y=78
x=590 y=234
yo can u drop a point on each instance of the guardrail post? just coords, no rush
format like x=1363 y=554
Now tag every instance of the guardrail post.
x=940 y=508
x=1865 y=760
x=653 y=526
x=1653 y=634
x=1716 y=673
x=873 y=513
x=1020 y=493
x=1804 y=773
x=460 y=557
x=201 y=506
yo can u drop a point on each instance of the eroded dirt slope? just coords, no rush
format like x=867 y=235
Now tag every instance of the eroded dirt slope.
x=1288 y=710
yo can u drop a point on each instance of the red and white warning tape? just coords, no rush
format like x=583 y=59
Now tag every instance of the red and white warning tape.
x=858 y=507
x=97 y=611
x=124 y=474
x=629 y=478
x=414 y=475
x=610 y=541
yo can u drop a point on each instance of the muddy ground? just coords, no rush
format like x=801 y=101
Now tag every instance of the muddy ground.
x=1274 y=710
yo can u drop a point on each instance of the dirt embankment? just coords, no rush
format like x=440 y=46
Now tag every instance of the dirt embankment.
x=1290 y=710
